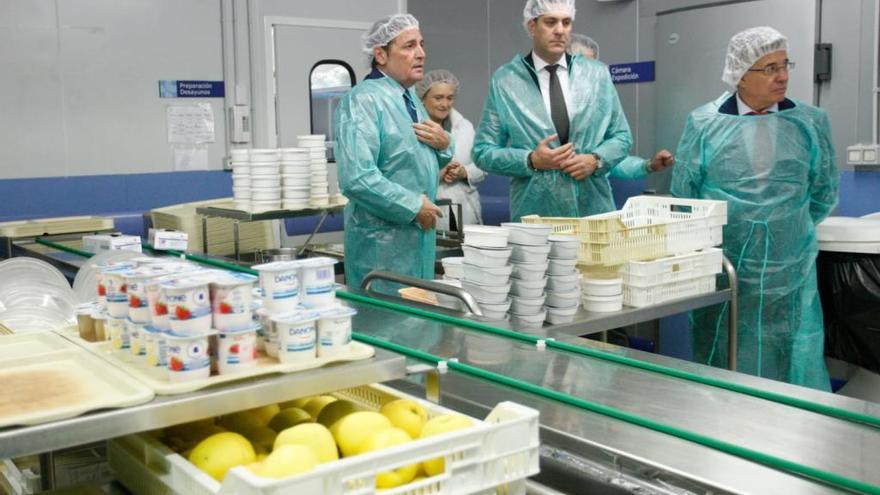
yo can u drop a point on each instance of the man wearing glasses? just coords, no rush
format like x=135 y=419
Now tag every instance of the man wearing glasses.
x=772 y=160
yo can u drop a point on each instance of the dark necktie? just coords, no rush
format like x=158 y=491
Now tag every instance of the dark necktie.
x=410 y=107
x=558 y=110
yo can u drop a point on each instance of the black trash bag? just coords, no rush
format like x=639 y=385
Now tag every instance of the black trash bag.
x=849 y=286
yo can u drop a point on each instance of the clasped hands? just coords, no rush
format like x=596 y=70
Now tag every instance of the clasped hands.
x=564 y=158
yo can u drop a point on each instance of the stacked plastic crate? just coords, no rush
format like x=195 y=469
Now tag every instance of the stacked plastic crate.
x=661 y=247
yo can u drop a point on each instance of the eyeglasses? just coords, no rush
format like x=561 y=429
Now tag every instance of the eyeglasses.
x=773 y=69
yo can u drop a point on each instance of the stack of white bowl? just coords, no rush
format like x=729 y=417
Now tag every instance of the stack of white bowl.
x=320 y=186
x=296 y=178
x=602 y=295
x=485 y=270
x=265 y=179
x=563 y=291
x=529 y=258
x=241 y=178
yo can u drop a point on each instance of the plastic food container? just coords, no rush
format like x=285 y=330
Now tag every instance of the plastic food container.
x=603 y=304
x=236 y=350
x=528 y=234
x=295 y=192
x=495 y=311
x=85 y=322
x=487 y=293
x=118 y=332
x=294 y=153
x=135 y=338
x=154 y=346
x=563 y=283
x=448 y=301
x=601 y=287
x=563 y=247
x=189 y=306
x=279 y=283
x=266 y=168
x=334 y=331
x=529 y=271
x=297 y=336
x=562 y=267
x=486 y=275
x=563 y=299
x=452 y=266
x=527 y=288
x=231 y=301
x=527 y=322
x=557 y=316
x=101 y=332
x=268 y=332
x=272 y=193
x=115 y=289
x=526 y=305
x=485 y=236
x=488 y=258
x=157 y=303
x=188 y=357
x=136 y=289
x=264 y=206
x=529 y=254
x=318 y=282
x=264 y=182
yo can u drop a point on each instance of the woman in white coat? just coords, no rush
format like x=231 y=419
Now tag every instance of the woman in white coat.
x=459 y=177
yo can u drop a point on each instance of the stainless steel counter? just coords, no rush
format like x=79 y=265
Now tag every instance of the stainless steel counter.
x=792 y=434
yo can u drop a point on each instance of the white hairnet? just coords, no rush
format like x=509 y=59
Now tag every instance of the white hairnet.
x=386 y=29
x=581 y=42
x=434 y=77
x=537 y=8
x=747 y=47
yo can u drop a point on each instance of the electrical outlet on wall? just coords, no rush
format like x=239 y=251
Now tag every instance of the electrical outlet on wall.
x=863 y=154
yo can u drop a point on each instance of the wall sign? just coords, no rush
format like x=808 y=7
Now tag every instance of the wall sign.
x=633 y=72
x=191 y=89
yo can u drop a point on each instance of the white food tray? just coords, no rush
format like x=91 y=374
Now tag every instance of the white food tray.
x=638 y=297
x=672 y=268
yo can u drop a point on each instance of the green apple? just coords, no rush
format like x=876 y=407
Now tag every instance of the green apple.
x=300 y=403
x=241 y=422
x=288 y=418
x=314 y=436
x=407 y=415
x=436 y=426
x=315 y=404
x=265 y=413
x=383 y=440
x=353 y=430
x=336 y=410
x=285 y=461
x=262 y=438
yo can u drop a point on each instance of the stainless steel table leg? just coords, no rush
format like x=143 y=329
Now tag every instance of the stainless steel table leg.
x=314 y=231
x=235 y=240
x=47 y=470
x=604 y=336
x=731 y=315
x=204 y=234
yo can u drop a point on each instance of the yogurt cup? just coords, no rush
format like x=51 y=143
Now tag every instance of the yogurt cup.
x=136 y=289
x=100 y=285
x=189 y=306
x=268 y=333
x=334 y=331
x=155 y=348
x=297 y=336
x=135 y=338
x=279 y=285
x=231 y=296
x=85 y=322
x=236 y=350
x=115 y=327
x=115 y=290
x=99 y=318
x=318 y=282
x=188 y=356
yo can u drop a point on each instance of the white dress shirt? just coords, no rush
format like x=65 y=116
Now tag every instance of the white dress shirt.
x=745 y=109
x=544 y=81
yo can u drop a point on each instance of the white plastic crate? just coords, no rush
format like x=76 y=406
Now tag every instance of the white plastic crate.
x=638 y=297
x=672 y=268
x=494 y=456
x=648 y=227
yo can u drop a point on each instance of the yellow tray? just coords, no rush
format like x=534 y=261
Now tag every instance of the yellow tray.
x=60 y=225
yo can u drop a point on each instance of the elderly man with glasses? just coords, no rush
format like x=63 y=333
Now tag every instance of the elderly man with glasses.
x=772 y=160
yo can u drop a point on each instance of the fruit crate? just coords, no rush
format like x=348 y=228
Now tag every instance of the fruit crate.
x=672 y=268
x=493 y=456
x=638 y=297
x=648 y=227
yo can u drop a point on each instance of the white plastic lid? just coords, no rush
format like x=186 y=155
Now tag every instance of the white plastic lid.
x=486 y=230
x=277 y=266
x=170 y=334
x=318 y=262
x=295 y=317
x=528 y=226
x=233 y=279
x=452 y=260
x=849 y=229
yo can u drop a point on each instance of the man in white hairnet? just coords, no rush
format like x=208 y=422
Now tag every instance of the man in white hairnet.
x=772 y=160
x=389 y=153
x=631 y=167
x=552 y=122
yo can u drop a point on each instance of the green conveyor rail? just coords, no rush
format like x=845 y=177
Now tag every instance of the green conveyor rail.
x=62 y=247
x=814 y=474
x=823 y=409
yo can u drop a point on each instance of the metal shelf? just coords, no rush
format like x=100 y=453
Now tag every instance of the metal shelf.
x=170 y=410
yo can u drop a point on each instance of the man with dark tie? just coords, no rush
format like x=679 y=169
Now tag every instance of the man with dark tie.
x=772 y=160
x=388 y=153
x=553 y=122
